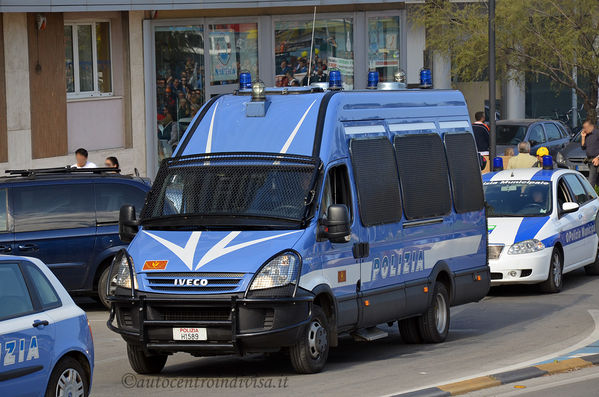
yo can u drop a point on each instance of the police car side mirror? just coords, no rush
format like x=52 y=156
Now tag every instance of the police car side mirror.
x=128 y=224
x=569 y=207
x=336 y=226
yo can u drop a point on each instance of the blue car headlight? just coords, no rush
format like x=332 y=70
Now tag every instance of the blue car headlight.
x=526 y=247
x=280 y=271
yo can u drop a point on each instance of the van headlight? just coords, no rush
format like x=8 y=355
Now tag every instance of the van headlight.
x=278 y=272
x=526 y=247
x=120 y=274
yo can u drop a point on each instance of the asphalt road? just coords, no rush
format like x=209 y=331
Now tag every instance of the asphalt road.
x=512 y=326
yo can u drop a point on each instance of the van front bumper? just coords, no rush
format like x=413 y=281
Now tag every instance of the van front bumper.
x=234 y=324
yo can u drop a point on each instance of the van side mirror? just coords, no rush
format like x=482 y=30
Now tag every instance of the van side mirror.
x=128 y=224
x=569 y=207
x=336 y=226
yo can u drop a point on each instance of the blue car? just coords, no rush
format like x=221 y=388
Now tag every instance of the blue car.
x=292 y=216
x=68 y=219
x=46 y=346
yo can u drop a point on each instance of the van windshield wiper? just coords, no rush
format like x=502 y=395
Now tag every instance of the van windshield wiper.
x=207 y=222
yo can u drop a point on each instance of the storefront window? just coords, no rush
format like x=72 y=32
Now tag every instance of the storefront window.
x=179 y=82
x=103 y=51
x=383 y=46
x=233 y=48
x=333 y=50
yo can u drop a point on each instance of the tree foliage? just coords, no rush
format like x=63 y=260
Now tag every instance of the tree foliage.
x=544 y=37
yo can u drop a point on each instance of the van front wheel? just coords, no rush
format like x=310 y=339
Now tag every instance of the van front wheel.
x=434 y=323
x=309 y=354
x=142 y=363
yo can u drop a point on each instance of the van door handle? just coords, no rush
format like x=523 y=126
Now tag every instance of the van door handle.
x=361 y=250
x=5 y=248
x=40 y=323
x=28 y=247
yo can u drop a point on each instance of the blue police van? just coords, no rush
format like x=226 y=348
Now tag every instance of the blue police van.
x=288 y=217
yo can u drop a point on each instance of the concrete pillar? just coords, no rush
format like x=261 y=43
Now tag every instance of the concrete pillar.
x=416 y=41
x=18 y=113
x=138 y=99
x=515 y=96
x=441 y=71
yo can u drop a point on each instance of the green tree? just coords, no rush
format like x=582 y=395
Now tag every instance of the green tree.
x=548 y=38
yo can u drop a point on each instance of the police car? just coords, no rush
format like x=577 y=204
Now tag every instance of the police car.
x=542 y=223
x=46 y=346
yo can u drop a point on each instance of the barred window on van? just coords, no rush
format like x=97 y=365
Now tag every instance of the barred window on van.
x=377 y=181
x=464 y=170
x=424 y=175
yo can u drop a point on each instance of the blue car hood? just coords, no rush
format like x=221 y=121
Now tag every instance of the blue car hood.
x=208 y=251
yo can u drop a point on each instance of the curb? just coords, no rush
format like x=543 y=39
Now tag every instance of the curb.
x=503 y=378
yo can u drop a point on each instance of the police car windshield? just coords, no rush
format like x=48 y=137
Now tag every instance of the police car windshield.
x=518 y=198
x=230 y=191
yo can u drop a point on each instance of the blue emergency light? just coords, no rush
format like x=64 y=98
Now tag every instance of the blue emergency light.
x=497 y=164
x=547 y=162
x=426 y=78
x=245 y=80
x=373 y=79
x=335 y=79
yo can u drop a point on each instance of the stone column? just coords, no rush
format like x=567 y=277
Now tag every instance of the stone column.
x=515 y=97
x=441 y=71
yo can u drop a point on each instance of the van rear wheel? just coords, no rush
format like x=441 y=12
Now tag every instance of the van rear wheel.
x=408 y=329
x=309 y=354
x=434 y=323
x=143 y=363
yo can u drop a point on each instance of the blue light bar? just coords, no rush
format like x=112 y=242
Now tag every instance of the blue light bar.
x=334 y=79
x=426 y=78
x=547 y=162
x=497 y=164
x=373 y=79
x=245 y=81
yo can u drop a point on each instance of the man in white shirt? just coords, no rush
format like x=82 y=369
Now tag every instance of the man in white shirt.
x=81 y=156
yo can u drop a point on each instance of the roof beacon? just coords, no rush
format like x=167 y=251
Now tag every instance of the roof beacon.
x=547 y=162
x=497 y=164
x=398 y=84
x=335 y=80
x=245 y=81
x=426 y=78
x=373 y=79
x=258 y=106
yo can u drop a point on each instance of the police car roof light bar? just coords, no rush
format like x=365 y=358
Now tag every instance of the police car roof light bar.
x=497 y=164
x=373 y=79
x=547 y=162
x=335 y=80
x=245 y=80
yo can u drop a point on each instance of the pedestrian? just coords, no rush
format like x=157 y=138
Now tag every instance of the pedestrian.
x=81 y=157
x=541 y=152
x=509 y=152
x=481 y=132
x=111 y=162
x=523 y=159
x=590 y=144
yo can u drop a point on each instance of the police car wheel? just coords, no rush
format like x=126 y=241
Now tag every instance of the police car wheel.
x=145 y=364
x=310 y=353
x=553 y=283
x=68 y=378
x=102 y=281
x=593 y=268
x=434 y=323
x=408 y=328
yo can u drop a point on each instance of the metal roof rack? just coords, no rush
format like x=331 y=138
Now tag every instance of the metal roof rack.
x=282 y=91
x=62 y=170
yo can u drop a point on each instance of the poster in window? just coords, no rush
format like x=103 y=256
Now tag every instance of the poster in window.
x=223 y=56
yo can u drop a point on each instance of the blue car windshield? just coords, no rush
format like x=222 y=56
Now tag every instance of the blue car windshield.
x=518 y=198
x=510 y=134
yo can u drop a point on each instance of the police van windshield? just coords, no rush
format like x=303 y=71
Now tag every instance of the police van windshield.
x=231 y=191
x=518 y=198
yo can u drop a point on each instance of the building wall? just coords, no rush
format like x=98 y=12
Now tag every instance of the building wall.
x=476 y=93
x=3 y=137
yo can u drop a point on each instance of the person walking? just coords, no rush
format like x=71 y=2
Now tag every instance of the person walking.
x=81 y=157
x=523 y=159
x=111 y=162
x=481 y=132
x=590 y=144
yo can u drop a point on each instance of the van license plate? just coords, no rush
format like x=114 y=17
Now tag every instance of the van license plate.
x=189 y=334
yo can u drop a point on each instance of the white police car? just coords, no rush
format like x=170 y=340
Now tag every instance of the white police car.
x=46 y=346
x=542 y=223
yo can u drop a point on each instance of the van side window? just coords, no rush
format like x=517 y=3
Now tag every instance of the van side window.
x=110 y=197
x=377 y=180
x=422 y=165
x=464 y=172
x=336 y=189
x=64 y=206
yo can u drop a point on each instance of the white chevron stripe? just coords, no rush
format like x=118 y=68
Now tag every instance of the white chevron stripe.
x=210 y=131
x=295 y=130
x=186 y=253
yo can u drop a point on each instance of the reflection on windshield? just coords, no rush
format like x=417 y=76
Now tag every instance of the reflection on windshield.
x=518 y=198
x=510 y=134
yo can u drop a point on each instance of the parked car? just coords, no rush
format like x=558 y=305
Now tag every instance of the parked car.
x=69 y=220
x=45 y=339
x=552 y=134
x=573 y=156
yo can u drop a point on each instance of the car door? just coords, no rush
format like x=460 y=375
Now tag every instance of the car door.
x=56 y=223
x=576 y=232
x=6 y=234
x=536 y=137
x=555 y=140
x=27 y=334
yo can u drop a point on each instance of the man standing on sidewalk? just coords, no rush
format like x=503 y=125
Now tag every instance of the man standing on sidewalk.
x=481 y=132
x=81 y=156
x=590 y=144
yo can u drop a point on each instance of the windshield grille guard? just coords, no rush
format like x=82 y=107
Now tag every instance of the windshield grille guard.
x=223 y=160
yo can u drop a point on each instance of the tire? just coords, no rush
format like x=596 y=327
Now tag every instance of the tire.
x=68 y=378
x=409 y=331
x=142 y=363
x=309 y=355
x=434 y=323
x=102 y=281
x=554 y=281
x=593 y=268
